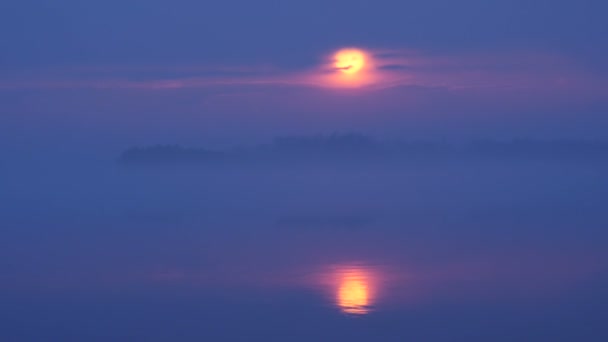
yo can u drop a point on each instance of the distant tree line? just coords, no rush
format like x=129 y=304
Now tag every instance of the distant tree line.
x=359 y=147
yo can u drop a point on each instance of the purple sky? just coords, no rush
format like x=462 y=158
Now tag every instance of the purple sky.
x=217 y=73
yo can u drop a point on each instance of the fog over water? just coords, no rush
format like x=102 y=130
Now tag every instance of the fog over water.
x=303 y=171
x=96 y=250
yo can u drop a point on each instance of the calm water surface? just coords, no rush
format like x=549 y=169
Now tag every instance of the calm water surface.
x=463 y=253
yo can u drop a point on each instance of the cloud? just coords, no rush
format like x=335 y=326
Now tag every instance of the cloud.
x=501 y=76
x=393 y=67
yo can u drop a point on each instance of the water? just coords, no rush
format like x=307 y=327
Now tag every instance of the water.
x=476 y=252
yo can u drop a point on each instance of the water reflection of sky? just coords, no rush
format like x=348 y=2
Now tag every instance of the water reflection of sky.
x=357 y=271
x=304 y=270
x=354 y=291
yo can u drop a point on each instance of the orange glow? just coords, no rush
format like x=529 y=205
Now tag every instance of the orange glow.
x=354 y=293
x=351 y=68
x=350 y=61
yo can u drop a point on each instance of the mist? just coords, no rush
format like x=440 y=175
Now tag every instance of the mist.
x=452 y=233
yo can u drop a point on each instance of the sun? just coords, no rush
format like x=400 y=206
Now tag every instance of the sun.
x=350 y=61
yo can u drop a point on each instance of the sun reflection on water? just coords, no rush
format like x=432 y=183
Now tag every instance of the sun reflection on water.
x=354 y=294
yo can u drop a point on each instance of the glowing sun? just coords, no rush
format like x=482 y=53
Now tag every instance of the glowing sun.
x=350 y=61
